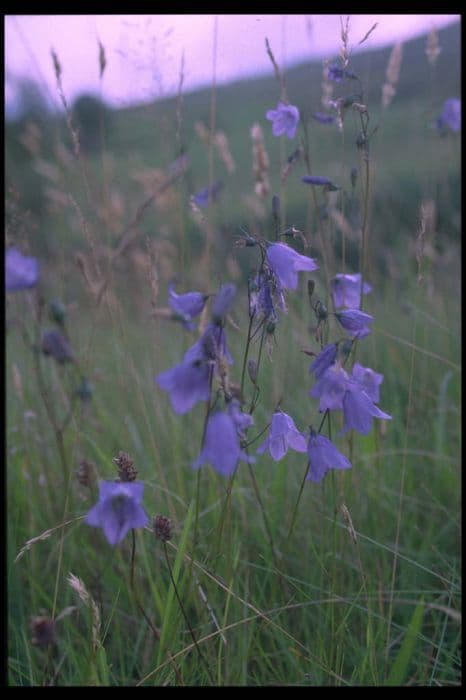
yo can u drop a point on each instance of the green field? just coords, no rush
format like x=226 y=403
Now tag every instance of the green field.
x=352 y=581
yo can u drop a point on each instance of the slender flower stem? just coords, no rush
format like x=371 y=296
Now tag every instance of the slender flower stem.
x=154 y=629
x=295 y=511
x=180 y=603
x=246 y=352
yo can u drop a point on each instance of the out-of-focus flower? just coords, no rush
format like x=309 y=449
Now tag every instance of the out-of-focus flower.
x=450 y=117
x=320 y=182
x=355 y=322
x=221 y=445
x=21 y=271
x=359 y=409
x=202 y=197
x=323 y=118
x=368 y=380
x=118 y=510
x=283 y=435
x=323 y=455
x=346 y=290
x=286 y=263
x=223 y=301
x=324 y=360
x=337 y=74
x=315 y=180
x=186 y=306
x=284 y=120
x=42 y=631
x=56 y=345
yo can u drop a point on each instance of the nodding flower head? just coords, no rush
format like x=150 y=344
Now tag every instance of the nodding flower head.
x=186 y=306
x=355 y=323
x=359 y=409
x=189 y=382
x=285 y=263
x=118 y=510
x=282 y=436
x=203 y=197
x=324 y=360
x=323 y=455
x=346 y=290
x=285 y=120
x=221 y=446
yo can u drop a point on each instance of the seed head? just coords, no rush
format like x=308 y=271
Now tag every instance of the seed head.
x=126 y=470
x=162 y=528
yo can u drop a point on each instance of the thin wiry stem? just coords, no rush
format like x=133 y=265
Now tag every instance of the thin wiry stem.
x=186 y=619
x=156 y=632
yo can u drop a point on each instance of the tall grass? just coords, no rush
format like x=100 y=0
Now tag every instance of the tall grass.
x=354 y=581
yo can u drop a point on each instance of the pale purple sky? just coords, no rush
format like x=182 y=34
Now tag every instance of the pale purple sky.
x=144 y=52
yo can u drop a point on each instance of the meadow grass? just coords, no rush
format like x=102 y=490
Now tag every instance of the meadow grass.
x=357 y=581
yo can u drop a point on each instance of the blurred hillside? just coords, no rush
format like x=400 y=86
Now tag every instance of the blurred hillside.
x=124 y=152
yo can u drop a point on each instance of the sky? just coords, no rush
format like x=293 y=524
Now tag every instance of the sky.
x=146 y=54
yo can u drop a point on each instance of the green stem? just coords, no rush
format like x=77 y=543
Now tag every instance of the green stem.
x=180 y=603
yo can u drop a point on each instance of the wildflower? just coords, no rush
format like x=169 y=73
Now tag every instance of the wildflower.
x=284 y=120
x=330 y=388
x=186 y=306
x=355 y=322
x=359 y=409
x=21 y=271
x=323 y=455
x=346 y=290
x=324 y=360
x=283 y=435
x=221 y=445
x=118 y=510
x=202 y=197
x=323 y=118
x=188 y=382
x=223 y=302
x=162 y=528
x=450 y=118
x=286 y=263
x=56 y=345
x=368 y=380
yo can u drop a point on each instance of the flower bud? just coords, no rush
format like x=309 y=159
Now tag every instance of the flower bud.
x=252 y=371
x=57 y=312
